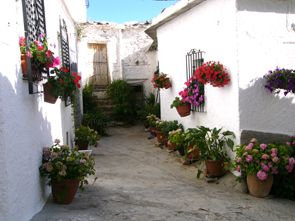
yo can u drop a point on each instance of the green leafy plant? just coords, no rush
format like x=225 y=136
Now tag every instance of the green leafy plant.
x=214 y=142
x=177 y=102
x=152 y=120
x=120 y=92
x=96 y=120
x=149 y=107
x=177 y=137
x=166 y=126
x=85 y=134
x=60 y=163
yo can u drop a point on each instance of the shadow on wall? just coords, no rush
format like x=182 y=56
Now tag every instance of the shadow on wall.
x=25 y=132
x=266 y=6
x=269 y=116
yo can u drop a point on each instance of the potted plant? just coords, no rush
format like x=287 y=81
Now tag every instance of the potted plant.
x=41 y=57
x=176 y=141
x=152 y=123
x=161 y=81
x=259 y=162
x=66 y=170
x=183 y=108
x=280 y=80
x=213 y=149
x=213 y=73
x=192 y=140
x=85 y=136
x=163 y=129
x=63 y=84
x=193 y=93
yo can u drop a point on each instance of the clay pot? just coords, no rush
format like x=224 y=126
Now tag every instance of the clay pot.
x=82 y=145
x=257 y=187
x=194 y=154
x=171 y=146
x=24 y=65
x=48 y=96
x=63 y=192
x=168 y=85
x=161 y=138
x=184 y=110
x=215 y=168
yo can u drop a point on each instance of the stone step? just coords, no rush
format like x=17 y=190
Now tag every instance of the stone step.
x=100 y=94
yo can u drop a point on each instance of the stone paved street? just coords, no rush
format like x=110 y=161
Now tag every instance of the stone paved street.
x=141 y=182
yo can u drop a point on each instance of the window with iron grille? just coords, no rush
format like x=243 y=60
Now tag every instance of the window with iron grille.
x=34 y=26
x=194 y=59
x=64 y=44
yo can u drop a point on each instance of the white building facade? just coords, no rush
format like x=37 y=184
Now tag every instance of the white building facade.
x=249 y=38
x=27 y=123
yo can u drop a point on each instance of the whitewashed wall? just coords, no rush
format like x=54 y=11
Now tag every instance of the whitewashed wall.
x=126 y=44
x=266 y=40
x=211 y=28
x=27 y=124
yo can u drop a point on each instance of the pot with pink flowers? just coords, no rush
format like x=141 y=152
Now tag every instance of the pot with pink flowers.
x=258 y=162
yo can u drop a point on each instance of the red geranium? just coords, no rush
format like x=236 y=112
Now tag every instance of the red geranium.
x=161 y=81
x=214 y=73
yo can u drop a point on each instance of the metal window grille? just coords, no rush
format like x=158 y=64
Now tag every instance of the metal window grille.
x=64 y=43
x=194 y=59
x=34 y=25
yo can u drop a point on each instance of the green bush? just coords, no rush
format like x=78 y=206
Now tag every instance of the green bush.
x=96 y=120
x=121 y=94
x=89 y=104
x=149 y=107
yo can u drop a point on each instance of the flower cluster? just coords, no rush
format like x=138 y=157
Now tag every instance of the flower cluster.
x=280 y=79
x=193 y=93
x=60 y=163
x=64 y=83
x=161 y=81
x=263 y=159
x=39 y=53
x=152 y=120
x=214 y=73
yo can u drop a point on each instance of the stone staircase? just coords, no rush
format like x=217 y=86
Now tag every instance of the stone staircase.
x=102 y=101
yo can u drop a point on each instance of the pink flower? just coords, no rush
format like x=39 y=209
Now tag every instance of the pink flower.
x=238 y=168
x=273 y=154
x=261 y=175
x=269 y=164
x=22 y=41
x=288 y=143
x=56 y=61
x=249 y=158
x=239 y=160
x=29 y=54
x=263 y=146
x=265 y=157
x=290 y=166
x=253 y=140
x=274 y=150
x=265 y=168
x=249 y=147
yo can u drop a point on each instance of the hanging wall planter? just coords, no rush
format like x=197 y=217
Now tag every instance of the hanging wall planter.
x=24 y=65
x=48 y=96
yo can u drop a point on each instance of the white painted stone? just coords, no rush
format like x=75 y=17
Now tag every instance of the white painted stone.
x=27 y=124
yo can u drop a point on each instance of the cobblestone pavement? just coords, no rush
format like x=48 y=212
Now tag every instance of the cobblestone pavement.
x=141 y=182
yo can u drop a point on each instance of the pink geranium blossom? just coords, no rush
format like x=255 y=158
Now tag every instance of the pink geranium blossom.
x=261 y=175
x=265 y=157
x=249 y=158
x=263 y=146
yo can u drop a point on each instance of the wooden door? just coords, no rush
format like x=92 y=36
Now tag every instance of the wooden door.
x=100 y=64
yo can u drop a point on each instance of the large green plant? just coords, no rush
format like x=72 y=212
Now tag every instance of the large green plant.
x=85 y=134
x=214 y=142
x=166 y=126
x=150 y=107
x=96 y=120
x=120 y=92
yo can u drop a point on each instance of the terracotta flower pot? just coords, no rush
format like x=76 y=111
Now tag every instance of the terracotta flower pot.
x=63 y=192
x=184 y=110
x=168 y=85
x=215 y=168
x=48 y=96
x=24 y=65
x=171 y=146
x=257 y=187
x=161 y=138
x=194 y=154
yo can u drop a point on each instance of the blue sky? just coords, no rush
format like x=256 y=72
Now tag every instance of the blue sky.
x=121 y=11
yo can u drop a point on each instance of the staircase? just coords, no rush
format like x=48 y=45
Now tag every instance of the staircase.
x=102 y=101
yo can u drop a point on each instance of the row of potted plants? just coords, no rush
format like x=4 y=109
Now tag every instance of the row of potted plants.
x=257 y=163
x=213 y=73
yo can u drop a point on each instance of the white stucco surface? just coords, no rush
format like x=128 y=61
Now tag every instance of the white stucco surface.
x=127 y=52
x=210 y=27
x=27 y=123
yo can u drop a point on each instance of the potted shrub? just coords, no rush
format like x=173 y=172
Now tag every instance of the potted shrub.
x=66 y=170
x=40 y=56
x=259 y=162
x=176 y=141
x=213 y=149
x=183 y=108
x=152 y=123
x=214 y=73
x=192 y=140
x=161 y=81
x=85 y=136
x=64 y=84
x=163 y=129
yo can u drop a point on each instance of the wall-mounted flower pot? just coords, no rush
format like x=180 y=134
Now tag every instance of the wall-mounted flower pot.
x=63 y=192
x=24 y=65
x=168 y=85
x=215 y=168
x=184 y=110
x=48 y=96
x=259 y=188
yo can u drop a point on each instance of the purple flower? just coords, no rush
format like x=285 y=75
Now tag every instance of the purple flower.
x=249 y=158
x=265 y=168
x=273 y=154
x=239 y=160
x=249 y=147
x=263 y=146
x=261 y=175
